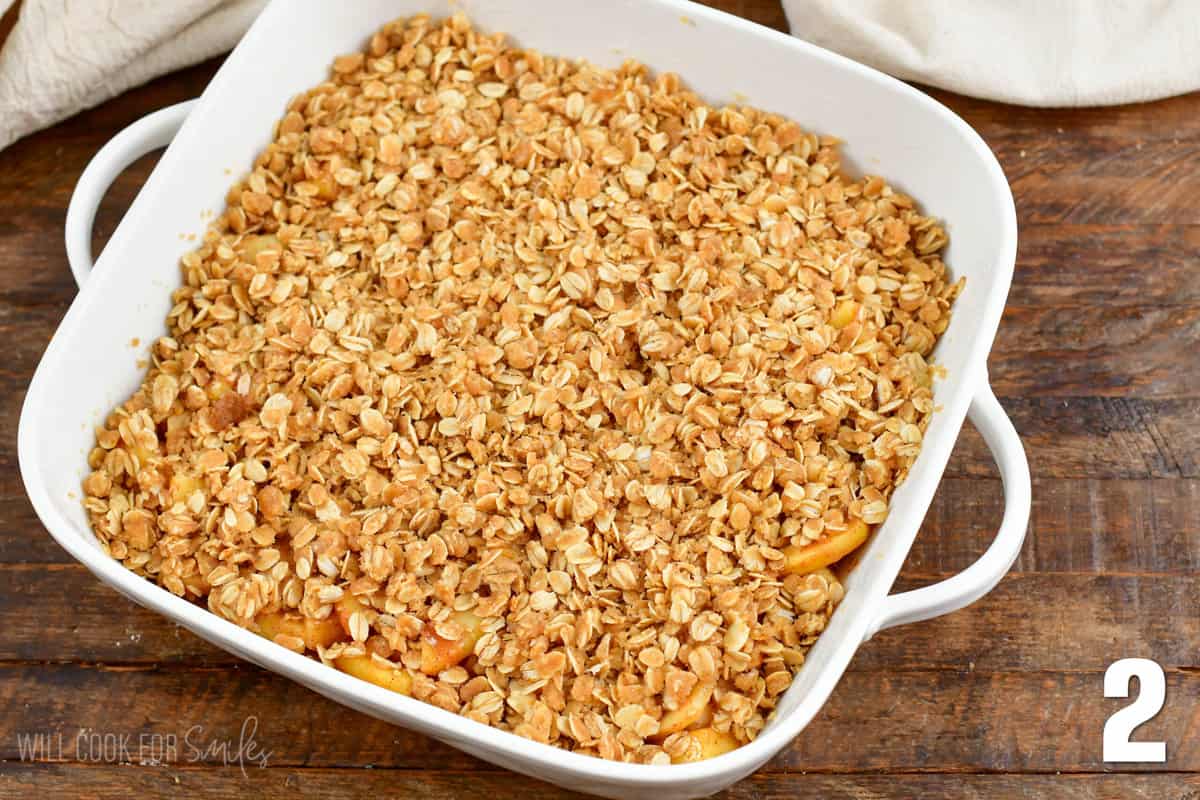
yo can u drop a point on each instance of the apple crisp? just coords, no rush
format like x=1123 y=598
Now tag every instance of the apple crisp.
x=544 y=393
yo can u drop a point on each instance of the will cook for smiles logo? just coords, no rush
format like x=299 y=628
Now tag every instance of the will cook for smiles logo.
x=193 y=746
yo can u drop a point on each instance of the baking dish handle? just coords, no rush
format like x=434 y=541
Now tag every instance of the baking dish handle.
x=975 y=581
x=147 y=134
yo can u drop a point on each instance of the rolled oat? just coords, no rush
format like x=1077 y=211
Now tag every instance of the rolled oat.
x=528 y=388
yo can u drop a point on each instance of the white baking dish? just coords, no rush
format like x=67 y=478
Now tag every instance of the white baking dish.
x=888 y=128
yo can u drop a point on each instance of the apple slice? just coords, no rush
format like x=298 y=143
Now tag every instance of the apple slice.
x=345 y=609
x=183 y=486
x=439 y=653
x=690 y=711
x=373 y=670
x=823 y=552
x=313 y=632
x=845 y=313
x=710 y=743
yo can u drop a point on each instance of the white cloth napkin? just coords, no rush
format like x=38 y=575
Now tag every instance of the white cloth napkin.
x=66 y=55
x=1028 y=52
x=63 y=56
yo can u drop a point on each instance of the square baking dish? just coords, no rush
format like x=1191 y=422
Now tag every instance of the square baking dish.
x=888 y=128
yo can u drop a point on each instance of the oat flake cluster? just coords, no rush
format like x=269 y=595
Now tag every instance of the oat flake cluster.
x=525 y=386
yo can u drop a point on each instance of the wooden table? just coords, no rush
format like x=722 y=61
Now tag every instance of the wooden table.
x=1096 y=361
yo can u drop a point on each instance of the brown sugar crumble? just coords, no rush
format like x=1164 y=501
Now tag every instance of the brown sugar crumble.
x=545 y=393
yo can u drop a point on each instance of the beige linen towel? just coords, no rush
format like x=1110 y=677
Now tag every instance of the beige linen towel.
x=63 y=56
x=1029 y=52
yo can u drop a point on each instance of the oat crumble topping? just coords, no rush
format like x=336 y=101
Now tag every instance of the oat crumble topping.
x=544 y=393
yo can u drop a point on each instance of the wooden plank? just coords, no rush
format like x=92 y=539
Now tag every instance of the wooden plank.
x=1003 y=722
x=120 y=782
x=24 y=539
x=33 y=263
x=1123 y=165
x=1179 y=431
x=764 y=12
x=1045 y=623
x=1093 y=437
x=1029 y=622
x=26 y=331
x=1081 y=526
x=1111 y=351
x=1106 y=265
x=34 y=272
x=297 y=726
x=61 y=612
x=1076 y=178
x=1171 y=118
x=931 y=720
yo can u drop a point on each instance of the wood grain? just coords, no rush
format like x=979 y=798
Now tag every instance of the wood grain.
x=117 y=782
x=920 y=720
x=1094 y=361
x=1093 y=437
x=1098 y=266
x=764 y=12
x=1086 y=526
x=1075 y=178
x=1172 y=118
x=1121 y=351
